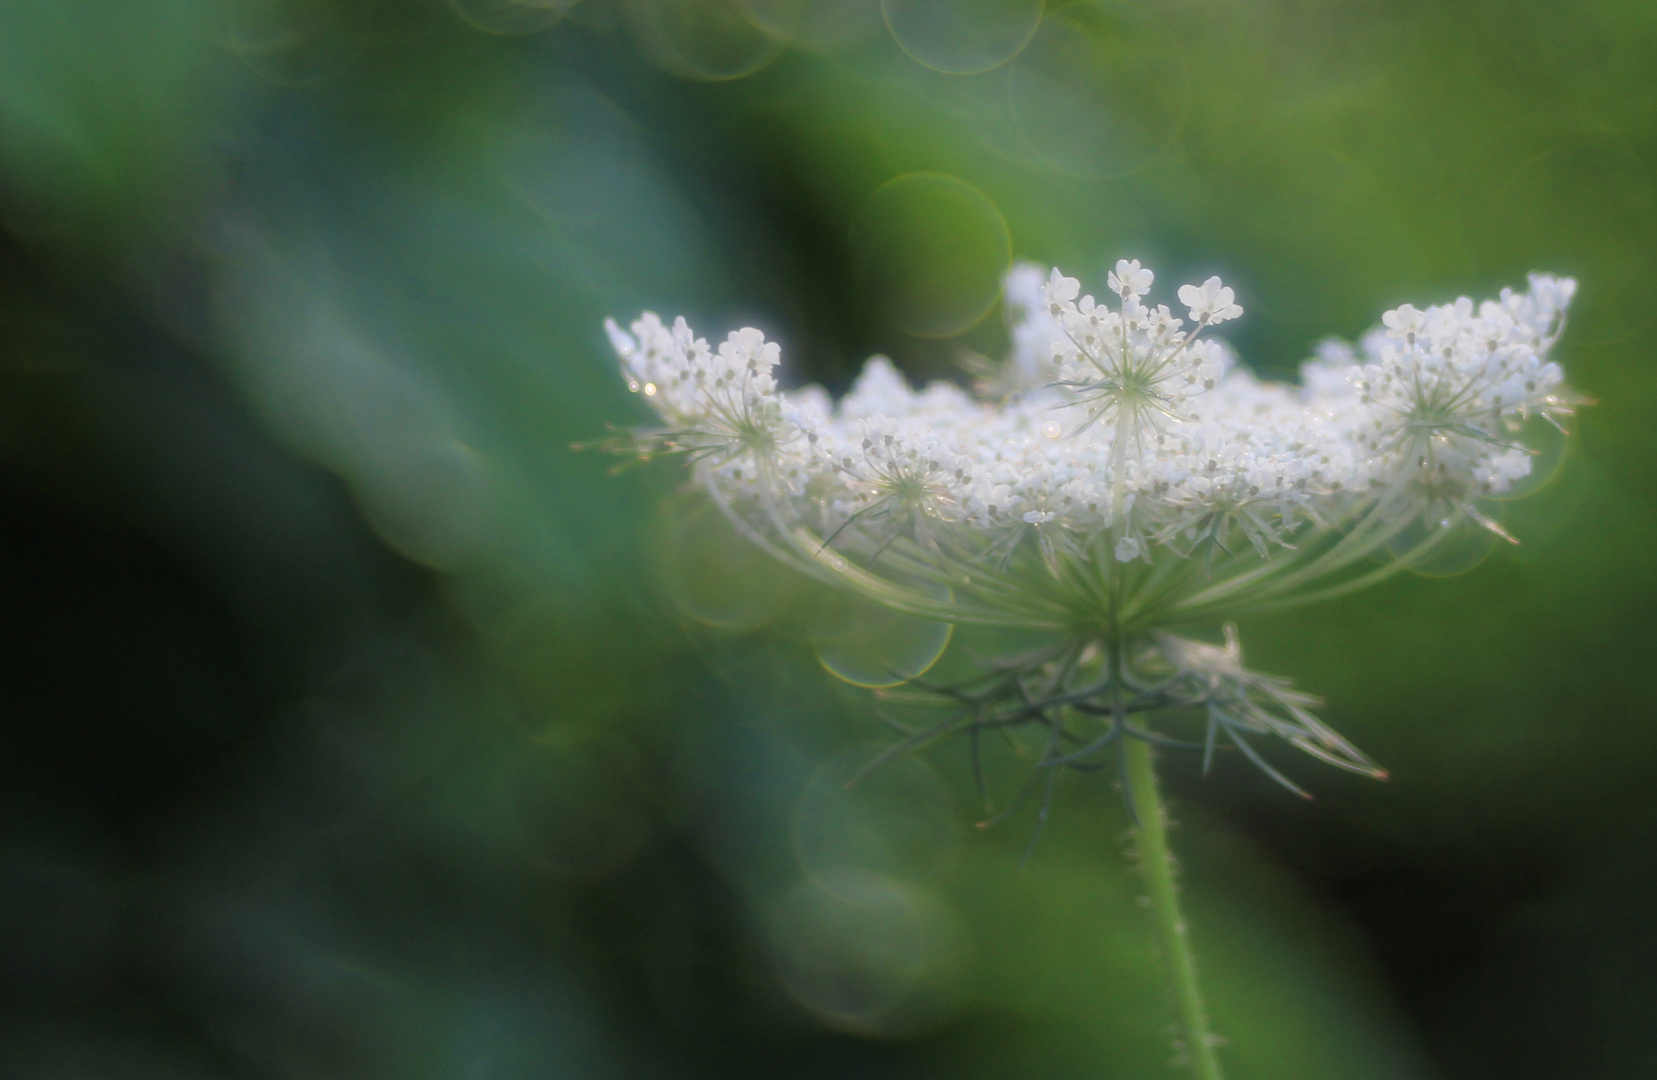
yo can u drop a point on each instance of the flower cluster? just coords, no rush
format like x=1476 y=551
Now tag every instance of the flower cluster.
x=1175 y=447
x=1119 y=476
x=719 y=405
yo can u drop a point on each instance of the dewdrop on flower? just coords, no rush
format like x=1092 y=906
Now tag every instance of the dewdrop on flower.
x=1120 y=482
x=720 y=405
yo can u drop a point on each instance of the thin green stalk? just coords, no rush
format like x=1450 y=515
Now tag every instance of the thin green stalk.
x=1156 y=862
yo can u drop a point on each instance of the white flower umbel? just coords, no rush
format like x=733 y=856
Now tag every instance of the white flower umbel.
x=1130 y=483
x=1116 y=482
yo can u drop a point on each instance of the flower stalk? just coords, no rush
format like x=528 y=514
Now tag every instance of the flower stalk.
x=1156 y=865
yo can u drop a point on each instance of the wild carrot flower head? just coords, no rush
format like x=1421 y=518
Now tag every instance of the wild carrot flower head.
x=1119 y=477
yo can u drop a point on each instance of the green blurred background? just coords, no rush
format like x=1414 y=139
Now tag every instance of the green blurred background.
x=353 y=726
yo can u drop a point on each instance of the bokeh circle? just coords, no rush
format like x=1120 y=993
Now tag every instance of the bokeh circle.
x=705 y=40
x=931 y=250
x=962 y=37
x=512 y=17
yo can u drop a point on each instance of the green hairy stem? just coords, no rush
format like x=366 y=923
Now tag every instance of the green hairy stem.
x=1156 y=862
